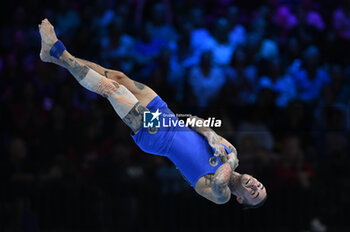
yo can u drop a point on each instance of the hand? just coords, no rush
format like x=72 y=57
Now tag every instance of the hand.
x=212 y=137
x=219 y=150
x=214 y=142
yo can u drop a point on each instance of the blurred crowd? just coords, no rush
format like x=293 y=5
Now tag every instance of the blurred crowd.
x=276 y=72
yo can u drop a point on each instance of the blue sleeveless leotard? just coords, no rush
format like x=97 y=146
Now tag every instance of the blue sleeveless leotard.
x=187 y=149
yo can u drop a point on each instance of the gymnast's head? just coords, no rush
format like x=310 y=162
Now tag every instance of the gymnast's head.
x=248 y=191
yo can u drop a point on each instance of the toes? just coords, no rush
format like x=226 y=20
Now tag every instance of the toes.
x=46 y=21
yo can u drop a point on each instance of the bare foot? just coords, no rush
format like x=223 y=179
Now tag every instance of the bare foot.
x=48 y=38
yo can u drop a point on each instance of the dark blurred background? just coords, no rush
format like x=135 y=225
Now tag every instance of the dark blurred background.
x=276 y=72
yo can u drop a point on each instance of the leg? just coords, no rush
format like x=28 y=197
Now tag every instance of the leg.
x=124 y=102
x=142 y=92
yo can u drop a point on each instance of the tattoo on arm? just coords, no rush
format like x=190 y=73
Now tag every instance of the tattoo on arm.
x=134 y=119
x=230 y=146
x=200 y=130
x=215 y=143
x=212 y=137
x=220 y=182
x=139 y=85
x=225 y=193
x=232 y=149
x=208 y=179
x=224 y=159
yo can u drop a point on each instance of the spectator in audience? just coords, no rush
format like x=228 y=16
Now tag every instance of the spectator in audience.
x=237 y=32
x=339 y=90
x=117 y=46
x=341 y=21
x=292 y=56
x=68 y=18
x=146 y=50
x=203 y=76
x=222 y=49
x=280 y=83
x=201 y=39
x=293 y=169
x=242 y=78
x=285 y=20
x=169 y=76
x=161 y=23
x=254 y=127
x=311 y=78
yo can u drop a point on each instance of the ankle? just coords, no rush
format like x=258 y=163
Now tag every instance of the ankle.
x=57 y=49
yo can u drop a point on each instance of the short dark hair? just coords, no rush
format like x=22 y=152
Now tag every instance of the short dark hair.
x=249 y=206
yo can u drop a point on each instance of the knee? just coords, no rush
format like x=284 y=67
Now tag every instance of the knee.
x=106 y=87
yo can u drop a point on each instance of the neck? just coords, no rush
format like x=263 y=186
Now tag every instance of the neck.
x=235 y=181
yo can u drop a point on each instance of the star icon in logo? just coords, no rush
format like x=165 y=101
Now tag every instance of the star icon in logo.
x=156 y=115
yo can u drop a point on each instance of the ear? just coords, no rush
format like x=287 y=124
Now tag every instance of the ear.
x=239 y=199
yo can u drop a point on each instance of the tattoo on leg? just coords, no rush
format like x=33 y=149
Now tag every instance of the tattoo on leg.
x=139 y=85
x=106 y=74
x=78 y=71
x=134 y=119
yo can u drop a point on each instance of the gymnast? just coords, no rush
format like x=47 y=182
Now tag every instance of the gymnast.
x=205 y=159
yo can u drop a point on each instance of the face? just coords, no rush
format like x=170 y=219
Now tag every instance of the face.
x=249 y=190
